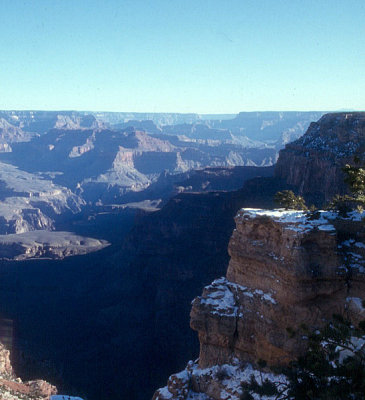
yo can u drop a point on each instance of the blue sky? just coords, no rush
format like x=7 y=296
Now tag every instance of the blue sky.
x=204 y=56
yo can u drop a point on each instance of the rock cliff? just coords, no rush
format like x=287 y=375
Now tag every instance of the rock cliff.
x=287 y=269
x=313 y=163
x=13 y=388
x=174 y=253
x=46 y=244
x=30 y=202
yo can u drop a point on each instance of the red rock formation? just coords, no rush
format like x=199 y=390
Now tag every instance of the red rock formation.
x=5 y=365
x=286 y=269
x=12 y=388
x=313 y=163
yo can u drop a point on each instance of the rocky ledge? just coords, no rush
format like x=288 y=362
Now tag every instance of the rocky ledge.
x=215 y=382
x=29 y=201
x=13 y=388
x=287 y=269
x=47 y=244
x=327 y=146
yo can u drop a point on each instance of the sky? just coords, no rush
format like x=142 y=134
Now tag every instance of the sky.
x=204 y=56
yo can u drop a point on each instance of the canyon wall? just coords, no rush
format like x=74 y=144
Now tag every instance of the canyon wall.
x=314 y=162
x=289 y=271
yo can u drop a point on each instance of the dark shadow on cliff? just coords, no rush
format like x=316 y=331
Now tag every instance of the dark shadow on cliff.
x=114 y=324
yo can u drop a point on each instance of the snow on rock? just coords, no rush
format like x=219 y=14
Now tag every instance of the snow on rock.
x=356 y=306
x=357 y=302
x=353 y=255
x=283 y=264
x=299 y=221
x=221 y=297
x=219 y=382
x=355 y=345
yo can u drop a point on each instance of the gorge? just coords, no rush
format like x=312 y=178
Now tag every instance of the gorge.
x=288 y=269
x=133 y=297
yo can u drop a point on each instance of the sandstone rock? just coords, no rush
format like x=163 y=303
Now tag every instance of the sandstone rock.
x=218 y=382
x=30 y=202
x=178 y=386
x=12 y=388
x=5 y=365
x=46 y=244
x=40 y=388
x=286 y=270
x=313 y=163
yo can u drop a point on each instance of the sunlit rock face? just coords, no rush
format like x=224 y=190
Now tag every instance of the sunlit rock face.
x=218 y=382
x=106 y=157
x=45 y=244
x=314 y=162
x=13 y=388
x=288 y=269
x=5 y=365
x=31 y=202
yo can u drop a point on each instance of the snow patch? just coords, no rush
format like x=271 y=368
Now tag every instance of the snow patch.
x=235 y=375
x=221 y=296
x=297 y=221
x=357 y=302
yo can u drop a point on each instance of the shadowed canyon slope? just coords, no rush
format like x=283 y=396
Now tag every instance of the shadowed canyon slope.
x=313 y=163
x=132 y=301
x=287 y=270
x=55 y=165
x=133 y=297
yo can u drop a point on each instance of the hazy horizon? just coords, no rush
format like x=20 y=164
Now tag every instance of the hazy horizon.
x=179 y=112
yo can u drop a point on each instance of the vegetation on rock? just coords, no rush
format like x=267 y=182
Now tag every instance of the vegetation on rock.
x=355 y=179
x=332 y=368
x=288 y=200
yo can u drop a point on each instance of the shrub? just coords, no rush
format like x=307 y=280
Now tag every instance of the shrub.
x=355 y=178
x=288 y=200
x=332 y=368
x=221 y=374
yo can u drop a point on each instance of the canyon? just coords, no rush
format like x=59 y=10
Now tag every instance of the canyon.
x=56 y=166
x=134 y=296
x=288 y=270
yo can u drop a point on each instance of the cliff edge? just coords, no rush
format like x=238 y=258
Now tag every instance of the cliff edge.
x=313 y=163
x=287 y=269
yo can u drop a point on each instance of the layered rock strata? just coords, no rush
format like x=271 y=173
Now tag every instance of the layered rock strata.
x=46 y=244
x=13 y=388
x=29 y=202
x=314 y=162
x=288 y=269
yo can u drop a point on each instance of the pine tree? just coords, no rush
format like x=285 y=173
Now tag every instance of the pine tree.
x=288 y=200
x=332 y=368
x=355 y=178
